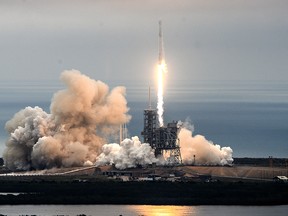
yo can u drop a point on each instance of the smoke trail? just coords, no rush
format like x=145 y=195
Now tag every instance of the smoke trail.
x=82 y=117
x=206 y=153
x=128 y=154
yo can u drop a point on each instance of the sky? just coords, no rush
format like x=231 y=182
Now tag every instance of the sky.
x=215 y=50
x=118 y=39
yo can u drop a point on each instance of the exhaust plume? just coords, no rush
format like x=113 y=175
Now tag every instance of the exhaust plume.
x=160 y=92
x=82 y=117
x=205 y=152
x=130 y=153
x=161 y=70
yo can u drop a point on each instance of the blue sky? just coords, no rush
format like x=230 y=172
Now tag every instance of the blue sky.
x=116 y=40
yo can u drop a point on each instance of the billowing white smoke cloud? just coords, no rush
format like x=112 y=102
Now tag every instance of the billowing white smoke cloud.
x=131 y=152
x=82 y=117
x=128 y=154
x=206 y=153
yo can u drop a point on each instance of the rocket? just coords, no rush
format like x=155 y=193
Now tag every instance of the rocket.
x=161 y=49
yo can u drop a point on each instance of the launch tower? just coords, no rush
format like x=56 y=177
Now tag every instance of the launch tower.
x=164 y=140
x=150 y=126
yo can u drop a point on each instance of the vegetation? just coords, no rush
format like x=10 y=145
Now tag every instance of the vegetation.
x=164 y=193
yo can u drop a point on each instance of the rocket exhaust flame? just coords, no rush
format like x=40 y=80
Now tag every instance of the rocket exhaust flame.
x=160 y=100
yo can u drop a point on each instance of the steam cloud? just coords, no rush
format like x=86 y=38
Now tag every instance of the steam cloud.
x=129 y=153
x=206 y=153
x=82 y=117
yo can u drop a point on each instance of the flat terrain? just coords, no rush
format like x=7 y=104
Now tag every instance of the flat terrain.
x=235 y=172
x=238 y=185
x=162 y=193
x=238 y=172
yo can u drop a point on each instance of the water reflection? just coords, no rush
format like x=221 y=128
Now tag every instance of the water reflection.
x=141 y=210
x=149 y=210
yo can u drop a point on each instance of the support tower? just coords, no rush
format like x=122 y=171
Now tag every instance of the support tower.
x=164 y=140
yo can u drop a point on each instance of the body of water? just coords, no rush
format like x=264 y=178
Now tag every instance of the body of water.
x=143 y=210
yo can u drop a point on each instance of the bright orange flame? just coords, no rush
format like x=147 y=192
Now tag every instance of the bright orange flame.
x=162 y=68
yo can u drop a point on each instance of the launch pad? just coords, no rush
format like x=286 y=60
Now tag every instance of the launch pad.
x=164 y=140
